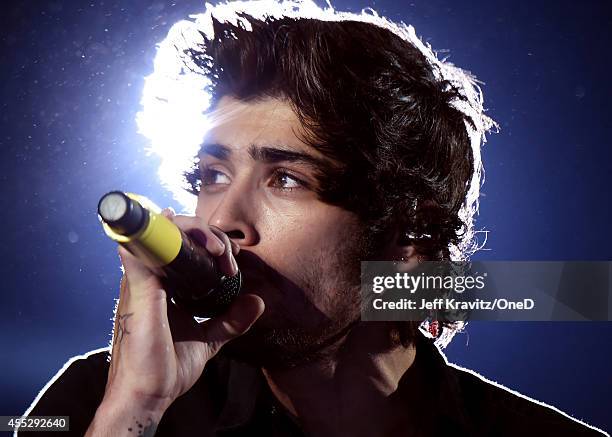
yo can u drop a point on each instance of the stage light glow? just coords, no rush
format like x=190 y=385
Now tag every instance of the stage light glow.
x=177 y=95
x=174 y=101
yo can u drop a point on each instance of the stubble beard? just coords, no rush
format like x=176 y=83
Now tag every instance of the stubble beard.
x=286 y=339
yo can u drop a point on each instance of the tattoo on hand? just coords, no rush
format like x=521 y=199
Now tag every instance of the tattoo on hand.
x=122 y=330
x=144 y=429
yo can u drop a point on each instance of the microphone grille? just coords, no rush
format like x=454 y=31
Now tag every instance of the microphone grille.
x=113 y=207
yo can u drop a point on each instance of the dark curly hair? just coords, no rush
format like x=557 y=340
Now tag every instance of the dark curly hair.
x=402 y=129
x=374 y=103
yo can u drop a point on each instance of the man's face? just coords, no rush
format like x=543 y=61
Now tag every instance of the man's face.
x=299 y=254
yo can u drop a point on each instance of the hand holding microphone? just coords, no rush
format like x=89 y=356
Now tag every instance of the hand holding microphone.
x=159 y=351
x=190 y=273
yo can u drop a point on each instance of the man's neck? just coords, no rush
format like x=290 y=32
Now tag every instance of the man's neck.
x=346 y=393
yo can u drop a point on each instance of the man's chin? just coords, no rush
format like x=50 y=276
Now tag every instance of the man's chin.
x=286 y=348
x=269 y=348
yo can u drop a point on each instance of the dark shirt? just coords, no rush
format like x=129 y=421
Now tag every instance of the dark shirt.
x=233 y=399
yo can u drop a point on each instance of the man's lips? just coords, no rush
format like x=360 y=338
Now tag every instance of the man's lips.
x=259 y=276
x=251 y=280
x=253 y=265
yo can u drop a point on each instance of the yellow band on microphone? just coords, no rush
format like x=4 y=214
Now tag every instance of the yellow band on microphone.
x=158 y=243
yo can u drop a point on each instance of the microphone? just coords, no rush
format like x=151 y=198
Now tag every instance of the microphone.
x=191 y=276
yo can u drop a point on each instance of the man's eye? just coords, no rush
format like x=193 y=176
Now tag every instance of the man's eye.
x=285 y=181
x=214 y=177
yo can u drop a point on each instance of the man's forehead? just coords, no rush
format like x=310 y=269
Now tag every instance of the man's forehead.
x=240 y=125
x=230 y=109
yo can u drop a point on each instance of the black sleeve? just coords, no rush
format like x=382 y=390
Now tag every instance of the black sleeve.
x=76 y=391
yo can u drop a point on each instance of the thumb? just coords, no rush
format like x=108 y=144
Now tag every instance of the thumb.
x=237 y=320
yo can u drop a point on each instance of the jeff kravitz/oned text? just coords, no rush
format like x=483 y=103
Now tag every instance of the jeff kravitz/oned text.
x=453 y=304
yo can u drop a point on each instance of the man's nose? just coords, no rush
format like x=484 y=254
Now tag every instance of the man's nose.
x=235 y=214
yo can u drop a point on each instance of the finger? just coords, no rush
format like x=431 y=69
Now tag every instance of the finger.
x=237 y=320
x=226 y=262
x=168 y=212
x=235 y=247
x=197 y=228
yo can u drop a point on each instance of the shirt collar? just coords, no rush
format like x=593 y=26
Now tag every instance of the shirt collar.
x=245 y=385
x=438 y=393
x=440 y=399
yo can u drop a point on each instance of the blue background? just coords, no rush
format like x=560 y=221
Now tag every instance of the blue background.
x=70 y=82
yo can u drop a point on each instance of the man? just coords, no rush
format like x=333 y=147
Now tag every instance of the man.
x=330 y=142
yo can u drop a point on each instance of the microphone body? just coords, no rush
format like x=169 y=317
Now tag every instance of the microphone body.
x=191 y=277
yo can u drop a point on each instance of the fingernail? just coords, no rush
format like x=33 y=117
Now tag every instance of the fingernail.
x=220 y=243
x=168 y=212
x=234 y=265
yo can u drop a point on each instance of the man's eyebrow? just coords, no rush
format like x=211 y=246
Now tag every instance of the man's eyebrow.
x=272 y=155
x=218 y=151
x=266 y=154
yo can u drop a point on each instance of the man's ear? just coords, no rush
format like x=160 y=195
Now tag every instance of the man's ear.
x=402 y=252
